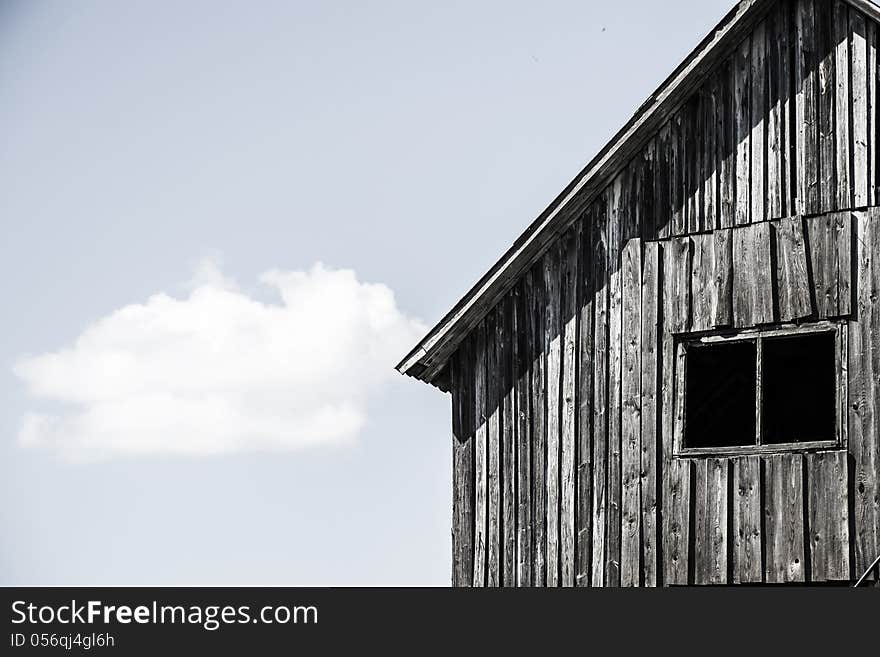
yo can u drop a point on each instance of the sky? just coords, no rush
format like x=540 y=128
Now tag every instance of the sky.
x=223 y=224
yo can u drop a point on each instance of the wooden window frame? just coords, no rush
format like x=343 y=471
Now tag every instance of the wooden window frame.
x=837 y=328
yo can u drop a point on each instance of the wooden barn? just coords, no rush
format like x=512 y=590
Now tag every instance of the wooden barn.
x=673 y=375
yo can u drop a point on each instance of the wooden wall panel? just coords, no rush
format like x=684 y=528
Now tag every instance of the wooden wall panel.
x=600 y=394
x=583 y=518
x=784 y=503
x=746 y=510
x=462 y=471
x=508 y=443
x=792 y=281
x=631 y=423
x=493 y=441
x=553 y=340
x=535 y=297
x=481 y=468
x=650 y=451
x=864 y=393
x=567 y=410
x=710 y=521
x=522 y=366
x=828 y=516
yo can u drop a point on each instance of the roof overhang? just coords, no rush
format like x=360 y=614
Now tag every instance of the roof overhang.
x=427 y=360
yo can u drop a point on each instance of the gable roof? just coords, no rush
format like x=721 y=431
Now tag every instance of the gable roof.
x=428 y=358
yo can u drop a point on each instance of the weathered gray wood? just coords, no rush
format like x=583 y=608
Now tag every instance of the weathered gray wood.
x=481 y=468
x=615 y=317
x=704 y=283
x=583 y=517
x=860 y=154
x=535 y=294
x=676 y=175
x=758 y=119
x=742 y=130
x=872 y=72
x=693 y=163
x=710 y=521
x=828 y=516
x=553 y=341
x=462 y=470
x=522 y=360
x=631 y=424
x=600 y=395
x=792 y=280
x=676 y=521
x=676 y=284
x=864 y=393
x=752 y=276
x=727 y=150
x=662 y=202
x=826 y=91
x=784 y=504
x=711 y=157
x=806 y=107
x=493 y=438
x=649 y=415
x=508 y=443
x=723 y=262
x=746 y=511
x=842 y=103
x=567 y=403
x=830 y=240
x=777 y=55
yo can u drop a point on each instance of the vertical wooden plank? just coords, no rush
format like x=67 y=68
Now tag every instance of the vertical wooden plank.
x=522 y=360
x=583 y=518
x=677 y=165
x=567 y=439
x=763 y=274
x=758 y=98
x=649 y=417
x=858 y=59
x=775 y=127
x=704 y=288
x=742 y=131
x=676 y=522
x=743 y=278
x=746 y=510
x=828 y=516
x=843 y=222
x=710 y=521
x=616 y=208
x=693 y=164
x=784 y=503
x=535 y=283
x=646 y=213
x=842 y=106
x=787 y=102
x=722 y=258
x=864 y=393
x=462 y=471
x=711 y=138
x=792 y=281
x=631 y=423
x=727 y=151
x=480 y=456
x=493 y=438
x=600 y=395
x=806 y=106
x=830 y=240
x=553 y=340
x=752 y=276
x=826 y=91
x=662 y=201
x=676 y=284
x=508 y=443
x=871 y=44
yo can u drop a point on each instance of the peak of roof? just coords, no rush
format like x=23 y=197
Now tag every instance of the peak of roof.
x=427 y=360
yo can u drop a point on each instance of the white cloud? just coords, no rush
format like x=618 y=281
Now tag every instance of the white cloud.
x=219 y=371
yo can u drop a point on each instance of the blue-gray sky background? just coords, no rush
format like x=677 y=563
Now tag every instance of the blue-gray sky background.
x=410 y=142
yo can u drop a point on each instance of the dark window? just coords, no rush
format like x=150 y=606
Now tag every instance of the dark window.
x=720 y=396
x=798 y=388
x=788 y=379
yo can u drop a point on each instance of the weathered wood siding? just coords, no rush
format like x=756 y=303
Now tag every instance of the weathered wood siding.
x=753 y=206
